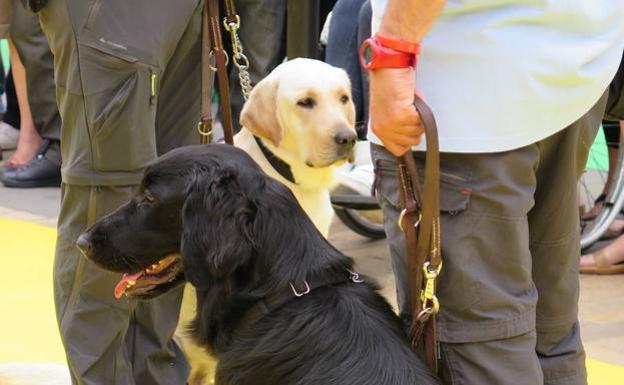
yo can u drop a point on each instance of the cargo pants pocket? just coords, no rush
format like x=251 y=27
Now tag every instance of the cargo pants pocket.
x=120 y=107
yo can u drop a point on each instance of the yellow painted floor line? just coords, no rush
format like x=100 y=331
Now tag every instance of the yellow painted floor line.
x=28 y=331
x=602 y=373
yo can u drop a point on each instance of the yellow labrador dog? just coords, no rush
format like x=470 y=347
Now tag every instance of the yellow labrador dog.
x=299 y=126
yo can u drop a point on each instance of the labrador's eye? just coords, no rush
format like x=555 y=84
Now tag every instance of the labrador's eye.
x=306 y=103
x=344 y=99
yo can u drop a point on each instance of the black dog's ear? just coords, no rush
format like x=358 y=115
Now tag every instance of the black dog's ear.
x=217 y=217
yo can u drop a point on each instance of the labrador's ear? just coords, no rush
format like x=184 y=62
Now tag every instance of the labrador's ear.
x=216 y=237
x=259 y=114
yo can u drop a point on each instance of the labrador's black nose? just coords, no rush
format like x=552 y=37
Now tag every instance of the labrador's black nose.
x=84 y=244
x=345 y=139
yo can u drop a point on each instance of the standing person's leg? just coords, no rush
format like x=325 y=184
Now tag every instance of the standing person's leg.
x=262 y=35
x=92 y=322
x=492 y=206
x=342 y=51
x=486 y=324
x=109 y=133
x=40 y=106
x=29 y=139
x=107 y=340
x=11 y=119
x=554 y=242
x=34 y=52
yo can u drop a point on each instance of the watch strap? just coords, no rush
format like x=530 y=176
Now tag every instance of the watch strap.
x=374 y=55
x=398 y=45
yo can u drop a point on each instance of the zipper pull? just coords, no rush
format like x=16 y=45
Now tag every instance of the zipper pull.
x=153 y=86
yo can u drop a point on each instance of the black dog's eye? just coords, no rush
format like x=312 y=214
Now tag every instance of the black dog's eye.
x=344 y=99
x=306 y=103
x=148 y=197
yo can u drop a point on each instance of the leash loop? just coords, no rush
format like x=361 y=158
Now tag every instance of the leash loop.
x=211 y=55
x=402 y=216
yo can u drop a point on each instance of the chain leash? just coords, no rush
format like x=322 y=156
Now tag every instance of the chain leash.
x=238 y=57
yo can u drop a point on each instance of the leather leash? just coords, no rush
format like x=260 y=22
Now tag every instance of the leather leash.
x=420 y=221
x=212 y=46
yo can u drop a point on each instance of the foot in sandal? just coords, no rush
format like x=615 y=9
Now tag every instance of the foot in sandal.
x=609 y=260
x=27 y=146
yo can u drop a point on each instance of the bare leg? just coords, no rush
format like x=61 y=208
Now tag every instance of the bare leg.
x=617 y=226
x=608 y=256
x=29 y=139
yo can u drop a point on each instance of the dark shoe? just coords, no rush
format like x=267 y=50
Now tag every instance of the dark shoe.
x=39 y=172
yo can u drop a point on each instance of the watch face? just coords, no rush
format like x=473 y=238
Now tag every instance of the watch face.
x=367 y=53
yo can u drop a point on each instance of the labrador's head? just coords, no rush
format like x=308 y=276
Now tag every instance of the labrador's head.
x=304 y=106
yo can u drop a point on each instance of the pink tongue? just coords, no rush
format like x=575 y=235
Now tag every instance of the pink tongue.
x=123 y=284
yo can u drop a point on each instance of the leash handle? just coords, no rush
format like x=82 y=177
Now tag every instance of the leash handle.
x=420 y=221
x=205 y=124
x=212 y=49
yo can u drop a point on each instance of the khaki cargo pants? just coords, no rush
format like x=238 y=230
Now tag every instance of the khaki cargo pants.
x=509 y=286
x=127 y=76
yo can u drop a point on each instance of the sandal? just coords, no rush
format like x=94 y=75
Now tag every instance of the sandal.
x=601 y=265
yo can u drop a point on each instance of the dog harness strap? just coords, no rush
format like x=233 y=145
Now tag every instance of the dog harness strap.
x=277 y=163
x=294 y=291
x=420 y=220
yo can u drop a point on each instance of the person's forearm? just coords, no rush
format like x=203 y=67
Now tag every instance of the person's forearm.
x=409 y=20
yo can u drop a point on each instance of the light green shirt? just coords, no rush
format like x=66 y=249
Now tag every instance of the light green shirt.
x=502 y=74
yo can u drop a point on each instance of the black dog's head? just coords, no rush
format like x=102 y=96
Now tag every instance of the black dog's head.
x=213 y=206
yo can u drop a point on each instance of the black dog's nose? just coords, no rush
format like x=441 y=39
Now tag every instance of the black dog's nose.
x=83 y=244
x=345 y=138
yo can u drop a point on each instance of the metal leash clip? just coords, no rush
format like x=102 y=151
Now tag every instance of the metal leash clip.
x=427 y=295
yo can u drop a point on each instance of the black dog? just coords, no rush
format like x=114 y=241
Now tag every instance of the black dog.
x=277 y=304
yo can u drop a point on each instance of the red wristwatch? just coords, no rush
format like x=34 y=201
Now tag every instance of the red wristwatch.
x=380 y=52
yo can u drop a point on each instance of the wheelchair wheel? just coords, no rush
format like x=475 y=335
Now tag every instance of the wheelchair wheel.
x=359 y=223
x=598 y=186
x=359 y=213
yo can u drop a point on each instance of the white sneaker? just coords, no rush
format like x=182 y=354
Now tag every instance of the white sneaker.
x=359 y=176
x=8 y=136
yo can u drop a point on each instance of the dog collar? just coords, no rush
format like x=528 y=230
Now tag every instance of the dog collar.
x=278 y=163
x=294 y=290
